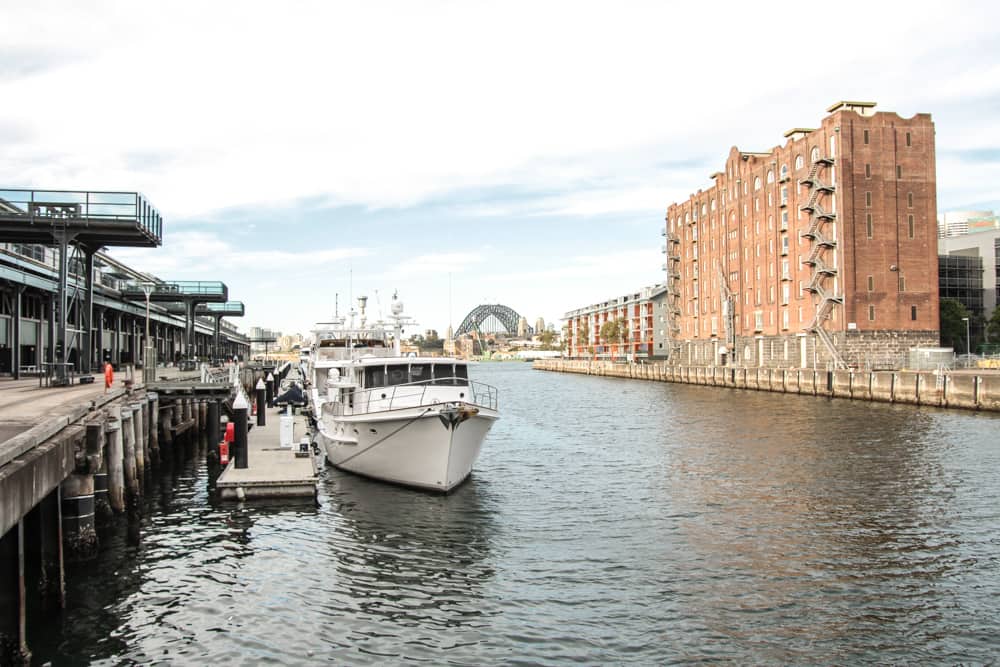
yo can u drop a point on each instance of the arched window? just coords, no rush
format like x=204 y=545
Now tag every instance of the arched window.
x=770 y=176
x=784 y=171
x=687 y=217
x=756 y=183
x=814 y=155
x=704 y=210
x=713 y=204
x=770 y=201
x=798 y=161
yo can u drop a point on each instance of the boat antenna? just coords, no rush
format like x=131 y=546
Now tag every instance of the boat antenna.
x=336 y=305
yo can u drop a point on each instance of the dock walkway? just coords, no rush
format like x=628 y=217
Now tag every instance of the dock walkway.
x=273 y=471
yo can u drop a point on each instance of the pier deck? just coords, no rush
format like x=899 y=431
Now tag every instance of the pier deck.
x=29 y=414
x=273 y=472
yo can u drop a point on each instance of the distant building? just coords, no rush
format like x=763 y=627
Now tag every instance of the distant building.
x=261 y=334
x=960 y=277
x=960 y=223
x=984 y=249
x=637 y=314
x=522 y=327
x=539 y=325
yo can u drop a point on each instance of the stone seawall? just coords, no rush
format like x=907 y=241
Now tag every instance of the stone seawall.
x=968 y=391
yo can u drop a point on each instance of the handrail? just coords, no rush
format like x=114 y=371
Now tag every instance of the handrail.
x=480 y=394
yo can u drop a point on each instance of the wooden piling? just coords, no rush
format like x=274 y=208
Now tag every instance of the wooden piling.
x=140 y=453
x=154 y=425
x=128 y=438
x=115 y=456
x=78 y=532
x=166 y=415
x=202 y=416
x=51 y=575
x=13 y=607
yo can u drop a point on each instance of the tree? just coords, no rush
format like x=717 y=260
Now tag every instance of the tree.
x=952 y=327
x=615 y=331
x=583 y=336
x=546 y=338
x=993 y=325
x=610 y=331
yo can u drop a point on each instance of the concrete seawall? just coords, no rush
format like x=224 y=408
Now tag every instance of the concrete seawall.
x=967 y=391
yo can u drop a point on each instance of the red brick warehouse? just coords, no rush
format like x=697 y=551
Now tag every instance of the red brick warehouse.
x=821 y=252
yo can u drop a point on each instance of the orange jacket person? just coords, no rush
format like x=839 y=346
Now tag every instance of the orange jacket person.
x=109 y=376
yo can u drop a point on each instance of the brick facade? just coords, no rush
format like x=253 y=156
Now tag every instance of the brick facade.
x=830 y=237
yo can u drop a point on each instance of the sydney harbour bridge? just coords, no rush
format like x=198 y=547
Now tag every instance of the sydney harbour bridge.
x=492 y=318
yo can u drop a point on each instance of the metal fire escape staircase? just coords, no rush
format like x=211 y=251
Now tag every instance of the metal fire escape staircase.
x=728 y=310
x=818 y=284
x=673 y=282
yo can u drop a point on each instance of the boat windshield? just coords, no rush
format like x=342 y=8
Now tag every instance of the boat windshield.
x=426 y=373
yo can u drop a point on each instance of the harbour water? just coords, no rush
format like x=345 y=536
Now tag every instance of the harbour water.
x=607 y=521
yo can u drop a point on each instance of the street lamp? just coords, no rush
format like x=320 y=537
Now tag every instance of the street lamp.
x=967 y=353
x=147 y=289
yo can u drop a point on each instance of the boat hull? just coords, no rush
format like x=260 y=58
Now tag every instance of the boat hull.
x=430 y=447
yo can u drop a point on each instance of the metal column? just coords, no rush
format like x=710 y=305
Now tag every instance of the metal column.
x=87 y=344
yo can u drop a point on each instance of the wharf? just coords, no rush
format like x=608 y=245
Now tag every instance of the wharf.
x=978 y=389
x=273 y=471
x=30 y=415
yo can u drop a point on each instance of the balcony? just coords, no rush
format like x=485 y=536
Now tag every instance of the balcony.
x=179 y=290
x=97 y=218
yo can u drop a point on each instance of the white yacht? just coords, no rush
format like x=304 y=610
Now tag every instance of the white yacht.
x=416 y=421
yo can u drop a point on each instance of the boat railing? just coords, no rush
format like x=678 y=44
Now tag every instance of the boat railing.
x=414 y=394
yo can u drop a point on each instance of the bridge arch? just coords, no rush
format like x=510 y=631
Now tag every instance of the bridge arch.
x=505 y=316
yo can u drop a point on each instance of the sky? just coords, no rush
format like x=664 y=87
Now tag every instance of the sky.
x=462 y=153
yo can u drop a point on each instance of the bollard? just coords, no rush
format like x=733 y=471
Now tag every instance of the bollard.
x=261 y=402
x=114 y=453
x=269 y=389
x=240 y=409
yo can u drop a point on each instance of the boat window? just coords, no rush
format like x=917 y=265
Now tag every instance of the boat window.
x=375 y=376
x=443 y=373
x=397 y=375
x=462 y=373
x=420 y=372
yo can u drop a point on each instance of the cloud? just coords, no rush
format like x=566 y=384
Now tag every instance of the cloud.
x=976 y=155
x=205 y=256
x=438 y=263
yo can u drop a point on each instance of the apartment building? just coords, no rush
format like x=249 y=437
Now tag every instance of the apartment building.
x=638 y=333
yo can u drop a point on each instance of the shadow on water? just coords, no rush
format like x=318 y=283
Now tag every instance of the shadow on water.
x=129 y=603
